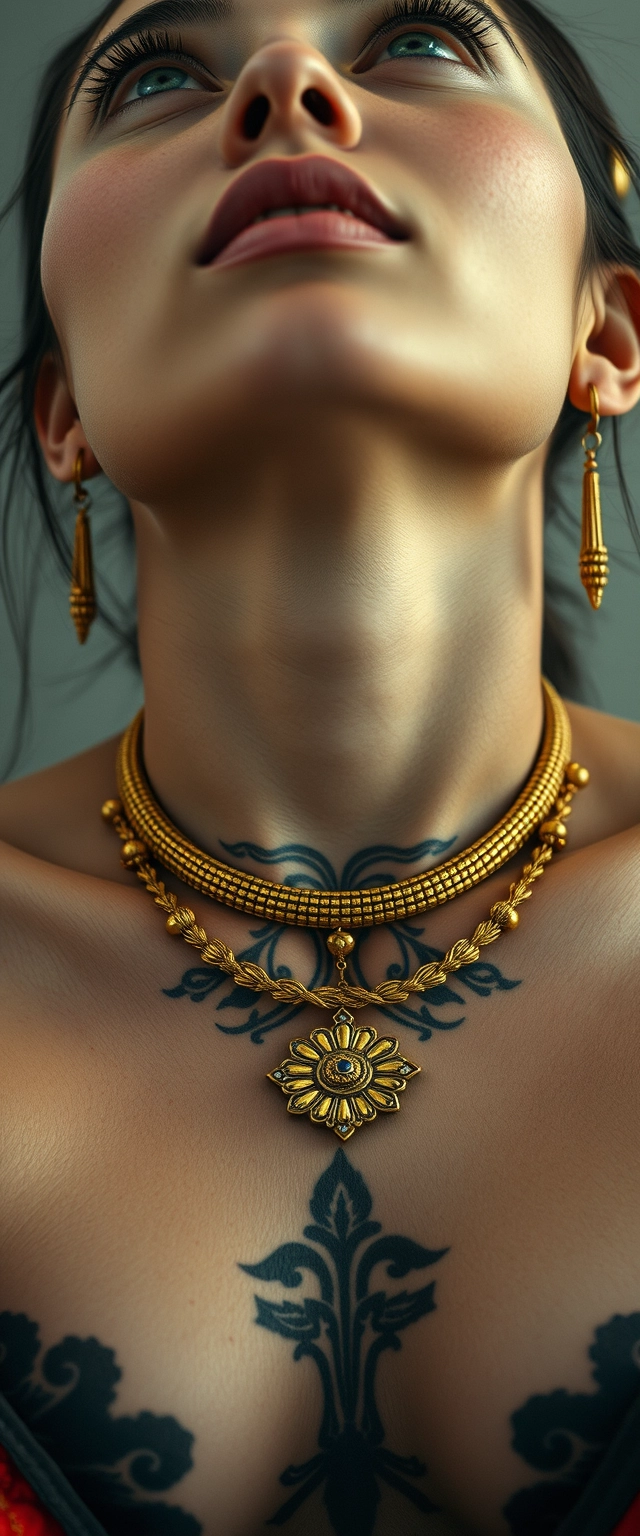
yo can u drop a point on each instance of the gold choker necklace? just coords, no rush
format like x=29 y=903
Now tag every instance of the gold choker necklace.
x=343 y=1078
x=353 y=909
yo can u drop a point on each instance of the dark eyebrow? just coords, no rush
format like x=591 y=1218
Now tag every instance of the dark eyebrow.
x=164 y=13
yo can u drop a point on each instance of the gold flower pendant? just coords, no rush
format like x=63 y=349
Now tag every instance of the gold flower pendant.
x=342 y=1077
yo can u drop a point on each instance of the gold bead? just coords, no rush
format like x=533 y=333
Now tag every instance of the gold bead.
x=111 y=809
x=179 y=920
x=577 y=775
x=503 y=913
x=553 y=832
x=340 y=944
x=131 y=852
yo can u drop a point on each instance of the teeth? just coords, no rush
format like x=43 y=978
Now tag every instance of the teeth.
x=280 y=213
x=284 y=213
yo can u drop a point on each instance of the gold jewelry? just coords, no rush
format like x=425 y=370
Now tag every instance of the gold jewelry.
x=82 y=601
x=335 y=909
x=620 y=174
x=343 y=1077
x=325 y=1091
x=594 y=570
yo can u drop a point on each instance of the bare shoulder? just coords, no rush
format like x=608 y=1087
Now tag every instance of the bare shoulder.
x=55 y=814
x=610 y=748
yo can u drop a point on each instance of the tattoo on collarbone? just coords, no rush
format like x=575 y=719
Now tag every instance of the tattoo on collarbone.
x=565 y=1434
x=344 y=1327
x=308 y=867
x=118 y=1465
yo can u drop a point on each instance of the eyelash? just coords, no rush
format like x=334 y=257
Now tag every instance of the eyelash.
x=122 y=57
x=460 y=17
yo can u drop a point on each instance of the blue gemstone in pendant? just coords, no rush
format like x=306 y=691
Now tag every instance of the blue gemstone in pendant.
x=345 y=1066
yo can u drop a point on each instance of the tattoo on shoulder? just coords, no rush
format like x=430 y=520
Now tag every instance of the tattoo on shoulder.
x=257 y=1016
x=344 y=1325
x=64 y=1395
x=565 y=1434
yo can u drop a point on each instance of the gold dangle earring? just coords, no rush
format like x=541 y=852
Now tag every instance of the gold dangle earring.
x=594 y=571
x=82 y=600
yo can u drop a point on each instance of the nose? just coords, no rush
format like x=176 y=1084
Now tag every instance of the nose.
x=290 y=93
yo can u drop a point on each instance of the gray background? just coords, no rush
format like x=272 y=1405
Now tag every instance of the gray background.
x=80 y=697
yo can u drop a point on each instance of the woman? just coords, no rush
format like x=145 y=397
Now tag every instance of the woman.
x=327 y=288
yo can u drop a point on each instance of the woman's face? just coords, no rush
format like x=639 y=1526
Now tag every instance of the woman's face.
x=441 y=287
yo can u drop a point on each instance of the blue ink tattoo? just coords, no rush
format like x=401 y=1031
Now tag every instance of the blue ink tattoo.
x=64 y=1396
x=344 y=1330
x=565 y=1434
x=311 y=868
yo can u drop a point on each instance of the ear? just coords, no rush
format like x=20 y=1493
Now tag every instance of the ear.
x=58 y=426
x=608 y=353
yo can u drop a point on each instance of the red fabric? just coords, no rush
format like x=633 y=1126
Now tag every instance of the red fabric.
x=630 y=1524
x=21 y=1513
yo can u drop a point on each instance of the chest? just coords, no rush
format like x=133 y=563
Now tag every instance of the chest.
x=212 y=1314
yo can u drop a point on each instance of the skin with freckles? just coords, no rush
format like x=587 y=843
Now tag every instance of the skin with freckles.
x=334 y=458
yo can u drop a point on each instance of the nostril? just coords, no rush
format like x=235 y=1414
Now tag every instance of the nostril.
x=255 y=117
x=319 y=106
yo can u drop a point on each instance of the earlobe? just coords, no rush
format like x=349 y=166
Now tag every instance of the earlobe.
x=59 y=429
x=608 y=353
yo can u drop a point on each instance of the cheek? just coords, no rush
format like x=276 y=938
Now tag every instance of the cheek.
x=508 y=250
x=514 y=214
x=102 y=238
x=529 y=198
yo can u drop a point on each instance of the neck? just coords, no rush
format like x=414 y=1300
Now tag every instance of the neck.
x=343 y=657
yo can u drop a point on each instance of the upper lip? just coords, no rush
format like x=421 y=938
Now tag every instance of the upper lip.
x=306 y=181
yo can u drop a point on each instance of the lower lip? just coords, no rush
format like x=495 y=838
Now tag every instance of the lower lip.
x=319 y=231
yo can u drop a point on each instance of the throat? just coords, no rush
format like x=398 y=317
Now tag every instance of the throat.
x=324 y=664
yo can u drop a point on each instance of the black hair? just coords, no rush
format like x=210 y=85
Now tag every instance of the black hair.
x=21 y=463
x=593 y=139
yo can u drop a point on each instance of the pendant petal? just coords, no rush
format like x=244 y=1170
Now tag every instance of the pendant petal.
x=324 y=1039
x=361 y=1039
x=305 y=1049
x=321 y=1110
x=383 y=1047
x=365 y=1108
x=383 y=1099
x=302 y=1102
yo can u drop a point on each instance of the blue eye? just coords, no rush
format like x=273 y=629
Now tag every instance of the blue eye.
x=167 y=77
x=420 y=45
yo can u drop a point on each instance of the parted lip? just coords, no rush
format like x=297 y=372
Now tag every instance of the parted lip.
x=311 y=181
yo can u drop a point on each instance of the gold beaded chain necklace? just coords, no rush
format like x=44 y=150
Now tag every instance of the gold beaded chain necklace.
x=343 y=1077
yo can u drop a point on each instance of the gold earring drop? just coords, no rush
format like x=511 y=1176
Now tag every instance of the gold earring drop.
x=82 y=601
x=620 y=174
x=594 y=571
